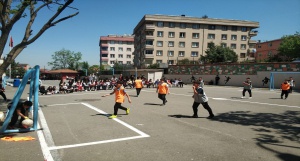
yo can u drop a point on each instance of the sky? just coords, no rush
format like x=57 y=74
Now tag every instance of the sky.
x=97 y=18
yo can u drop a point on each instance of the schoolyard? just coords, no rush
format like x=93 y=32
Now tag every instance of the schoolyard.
x=76 y=127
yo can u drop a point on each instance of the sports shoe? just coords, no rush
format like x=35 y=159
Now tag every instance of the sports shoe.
x=242 y=97
x=250 y=97
x=195 y=116
x=211 y=116
x=127 y=111
x=112 y=116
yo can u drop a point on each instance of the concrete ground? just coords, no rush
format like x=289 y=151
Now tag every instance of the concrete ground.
x=76 y=127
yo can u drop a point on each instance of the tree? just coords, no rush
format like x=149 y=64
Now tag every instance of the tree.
x=289 y=48
x=10 y=15
x=153 y=66
x=184 y=61
x=64 y=59
x=94 y=69
x=218 y=54
x=16 y=70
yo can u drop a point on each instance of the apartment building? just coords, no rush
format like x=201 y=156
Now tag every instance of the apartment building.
x=116 y=49
x=169 y=39
x=266 y=49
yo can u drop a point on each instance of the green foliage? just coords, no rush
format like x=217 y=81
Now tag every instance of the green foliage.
x=16 y=70
x=218 y=54
x=184 y=61
x=64 y=59
x=118 y=66
x=289 y=48
x=153 y=66
x=93 y=69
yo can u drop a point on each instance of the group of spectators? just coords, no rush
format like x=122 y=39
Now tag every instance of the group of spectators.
x=91 y=83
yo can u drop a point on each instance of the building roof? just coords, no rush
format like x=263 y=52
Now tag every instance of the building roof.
x=117 y=38
x=62 y=71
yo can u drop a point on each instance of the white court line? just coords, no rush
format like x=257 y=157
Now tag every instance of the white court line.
x=141 y=134
x=225 y=99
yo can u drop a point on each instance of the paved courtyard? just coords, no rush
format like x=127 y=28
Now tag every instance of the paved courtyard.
x=76 y=127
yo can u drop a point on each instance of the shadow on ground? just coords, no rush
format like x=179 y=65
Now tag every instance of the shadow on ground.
x=284 y=125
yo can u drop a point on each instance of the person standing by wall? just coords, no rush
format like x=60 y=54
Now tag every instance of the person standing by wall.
x=292 y=84
x=2 y=90
x=162 y=90
x=201 y=82
x=217 y=79
x=285 y=88
x=200 y=98
x=119 y=92
x=247 y=87
x=138 y=86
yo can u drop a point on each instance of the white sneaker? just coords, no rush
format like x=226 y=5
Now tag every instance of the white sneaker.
x=242 y=97
x=250 y=97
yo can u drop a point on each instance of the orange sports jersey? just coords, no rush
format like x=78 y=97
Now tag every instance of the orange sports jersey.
x=119 y=94
x=138 y=83
x=285 y=86
x=163 y=88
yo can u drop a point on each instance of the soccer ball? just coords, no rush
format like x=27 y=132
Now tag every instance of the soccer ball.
x=2 y=117
x=27 y=123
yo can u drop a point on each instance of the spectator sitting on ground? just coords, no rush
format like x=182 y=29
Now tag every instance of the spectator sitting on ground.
x=43 y=90
x=86 y=85
x=50 y=90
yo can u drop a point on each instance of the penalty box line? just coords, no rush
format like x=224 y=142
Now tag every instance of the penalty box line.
x=141 y=134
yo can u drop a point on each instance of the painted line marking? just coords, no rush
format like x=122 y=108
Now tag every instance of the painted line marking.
x=226 y=99
x=141 y=134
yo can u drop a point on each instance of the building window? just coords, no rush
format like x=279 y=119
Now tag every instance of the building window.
x=243 y=46
x=159 y=43
x=171 y=44
x=196 y=26
x=149 y=33
x=181 y=44
x=160 y=34
x=170 y=53
x=120 y=49
x=243 y=37
x=233 y=37
x=128 y=56
x=224 y=45
x=195 y=44
x=171 y=62
x=194 y=54
x=160 y=24
x=104 y=55
x=270 y=44
x=211 y=36
x=171 y=24
x=181 y=53
x=158 y=61
x=128 y=49
x=171 y=34
x=112 y=48
x=195 y=35
x=211 y=27
x=120 y=62
x=233 y=46
x=120 y=55
x=182 y=35
x=149 y=42
x=112 y=55
x=182 y=25
x=112 y=62
x=159 y=53
x=224 y=28
x=224 y=36
x=149 y=52
x=242 y=55
x=233 y=28
x=120 y=42
x=128 y=62
x=244 y=29
x=112 y=42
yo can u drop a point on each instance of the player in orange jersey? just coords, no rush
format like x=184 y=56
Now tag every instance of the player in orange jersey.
x=119 y=92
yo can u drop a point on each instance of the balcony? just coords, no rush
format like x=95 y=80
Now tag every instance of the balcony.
x=104 y=58
x=149 y=56
x=252 y=41
x=253 y=33
x=149 y=46
x=149 y=37
x=150 y=27
x=104 y=52
x=104 y=45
